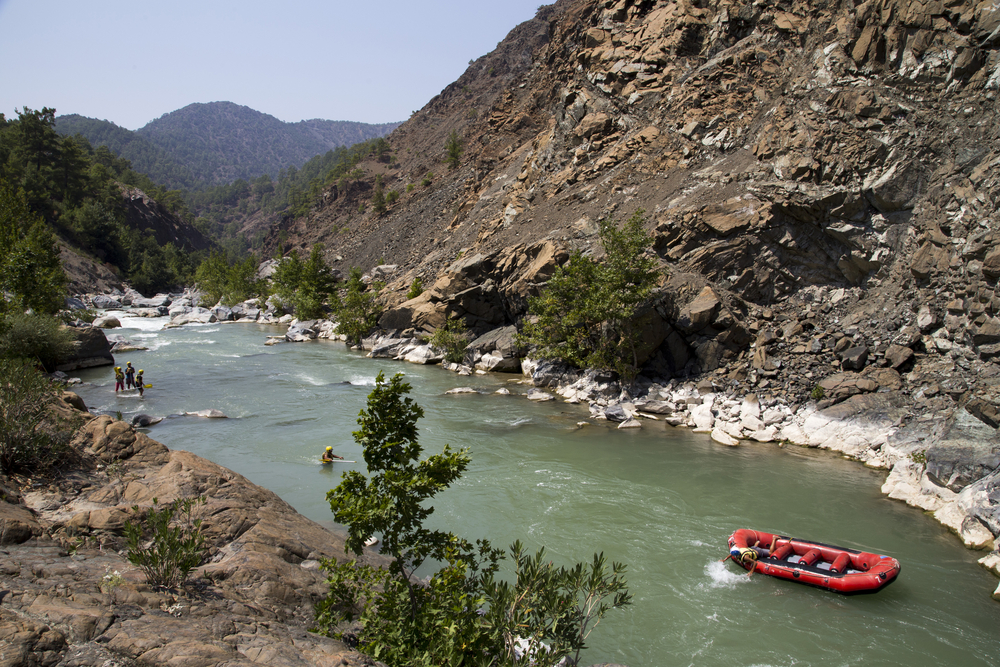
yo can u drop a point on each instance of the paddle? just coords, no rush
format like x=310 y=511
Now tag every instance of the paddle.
x=148 y=386
x=337 y=461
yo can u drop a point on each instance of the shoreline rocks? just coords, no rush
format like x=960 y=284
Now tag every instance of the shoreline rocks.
x=70 y=598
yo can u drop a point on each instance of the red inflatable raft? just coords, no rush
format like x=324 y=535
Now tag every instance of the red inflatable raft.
x=834 y=568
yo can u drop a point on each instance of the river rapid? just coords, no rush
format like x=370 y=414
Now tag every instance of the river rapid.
x=660 y=499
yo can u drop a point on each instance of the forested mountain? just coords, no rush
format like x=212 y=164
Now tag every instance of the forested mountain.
x=95 y=202
x=144 y=155
x=220 y=142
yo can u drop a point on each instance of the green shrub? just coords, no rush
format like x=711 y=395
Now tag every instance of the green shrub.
x=391 y=197
x=37 y=337
x=409 y=187
x=817 y=393
x=165 y=551
x=452 y=339
x=28 y=440
x=427 y=179
x=585 y=314
x=416 y=288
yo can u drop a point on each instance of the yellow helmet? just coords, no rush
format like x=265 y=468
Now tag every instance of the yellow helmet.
x=128 y=363
x=118 y=368
x=329 y=449
x=141 y=371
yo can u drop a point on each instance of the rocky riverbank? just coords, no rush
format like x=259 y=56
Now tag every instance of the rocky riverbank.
x=908 y=391
x=68 y=597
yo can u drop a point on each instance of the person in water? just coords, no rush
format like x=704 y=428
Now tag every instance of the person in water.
x=119 y=379
x=129 y=376
x=138 y=382
x=329 y=456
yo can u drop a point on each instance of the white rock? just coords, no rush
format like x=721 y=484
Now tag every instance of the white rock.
x=539 y=395
x=423 y=354
x=991 y=562
x=503 y=391
x=462 y=390
x=969 y=530
x=630 y=423
x=702 y=415
x=907 y=482
x=768 y=434
x=724 y=438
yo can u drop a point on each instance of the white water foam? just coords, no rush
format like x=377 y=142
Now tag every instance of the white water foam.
x=722 y=577
x=311 y=380
x=362 y=380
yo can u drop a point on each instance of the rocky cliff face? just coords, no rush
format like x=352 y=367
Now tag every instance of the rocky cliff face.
x=821 y=180
x=831 y=163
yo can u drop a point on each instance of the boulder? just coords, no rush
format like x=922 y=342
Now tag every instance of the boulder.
x=535 y=394
x=153 y=302
x=854 y=358
x=196 y=316
x=91 y=350
x=302 y=331
x=723 y=438
x=105 y=302
x=389 y=348
x=144 y=420
x=698 y=314
x=107 y=322
x=223 y=313
x=17 y=524
x=424 y=354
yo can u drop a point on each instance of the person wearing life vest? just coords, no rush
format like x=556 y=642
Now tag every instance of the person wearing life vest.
x=129 y=375
x=119 y=379
x=329 y=456
x=138 y=382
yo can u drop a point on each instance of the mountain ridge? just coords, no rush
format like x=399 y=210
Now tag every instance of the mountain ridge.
x=206 y=144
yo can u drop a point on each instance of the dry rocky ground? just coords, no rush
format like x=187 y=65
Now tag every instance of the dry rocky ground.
x=60 y=541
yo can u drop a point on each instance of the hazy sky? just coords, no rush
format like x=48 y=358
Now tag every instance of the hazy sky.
x=132 y=61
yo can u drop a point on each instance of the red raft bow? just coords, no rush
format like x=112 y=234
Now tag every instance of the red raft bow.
x=836 y=569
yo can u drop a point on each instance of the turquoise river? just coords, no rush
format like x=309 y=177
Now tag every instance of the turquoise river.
x=660 y=499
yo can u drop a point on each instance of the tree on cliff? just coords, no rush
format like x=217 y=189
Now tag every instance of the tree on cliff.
x=464 y=614
x=584 y=314
x=453 y=146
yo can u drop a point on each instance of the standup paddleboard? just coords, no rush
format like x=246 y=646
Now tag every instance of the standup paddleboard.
x=337 y=461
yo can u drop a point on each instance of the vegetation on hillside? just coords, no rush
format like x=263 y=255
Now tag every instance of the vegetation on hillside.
x=585 y=313
x=358 y=310
x=465 y=614
x=306 y=286
x=75 y=190
x=222 y=210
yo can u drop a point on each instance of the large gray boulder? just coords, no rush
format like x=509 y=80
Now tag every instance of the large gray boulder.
x=196 y=316
x=152 y=302
x=389 y=348
x=92 y=349
x=105 y=302
x=107 y=322
x=303 y=331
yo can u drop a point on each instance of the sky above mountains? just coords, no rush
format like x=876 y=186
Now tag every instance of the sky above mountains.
x=131 y=62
